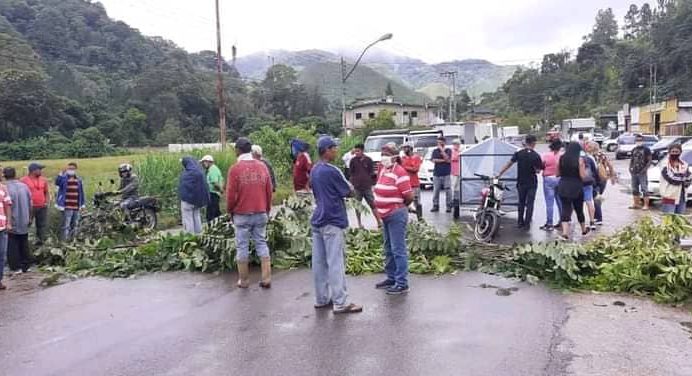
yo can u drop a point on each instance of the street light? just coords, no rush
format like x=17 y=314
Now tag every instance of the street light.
x=345 y=76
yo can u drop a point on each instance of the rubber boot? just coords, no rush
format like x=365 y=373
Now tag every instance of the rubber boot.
x=266 y=281
x=646 y=203
x=455 y=207
x=243 y=275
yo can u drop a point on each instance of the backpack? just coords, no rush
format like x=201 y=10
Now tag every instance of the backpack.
x=603 y=172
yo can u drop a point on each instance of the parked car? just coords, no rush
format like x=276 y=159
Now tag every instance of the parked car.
x=377 y=139
x=654 y=175
x=660 y=149
x=598 y=137
x=425 y=174
x=610 y=144
x=626 y=144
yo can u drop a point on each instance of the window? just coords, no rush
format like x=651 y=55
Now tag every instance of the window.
x=371 y=115
x=405 y=113
x=414 y=114
x=359 y=116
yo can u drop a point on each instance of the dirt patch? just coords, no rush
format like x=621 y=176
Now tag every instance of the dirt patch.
x=22 y=284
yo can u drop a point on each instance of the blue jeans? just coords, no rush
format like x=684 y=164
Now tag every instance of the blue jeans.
x=328 y=268
x=70 y=223
x=442 y=183
x=680 y=208
x=250 y=227
x=3 y=252
x=550 y=184
x=395 y=252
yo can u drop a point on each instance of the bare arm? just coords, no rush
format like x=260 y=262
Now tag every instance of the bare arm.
x=505 y=168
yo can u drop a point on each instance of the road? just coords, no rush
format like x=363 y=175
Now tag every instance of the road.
x=185 y=324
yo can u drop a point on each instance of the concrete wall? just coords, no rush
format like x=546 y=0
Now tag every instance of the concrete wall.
x=179 y=148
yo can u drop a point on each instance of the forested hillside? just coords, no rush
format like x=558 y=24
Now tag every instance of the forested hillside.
x=615 y=65
x=64 y=66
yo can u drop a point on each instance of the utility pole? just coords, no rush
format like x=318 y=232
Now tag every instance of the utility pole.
x=219 y=81
x=452 y=75
x=343 y=94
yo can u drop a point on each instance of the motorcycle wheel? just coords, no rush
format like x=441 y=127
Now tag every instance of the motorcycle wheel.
x=148 y=219
x=487 y=223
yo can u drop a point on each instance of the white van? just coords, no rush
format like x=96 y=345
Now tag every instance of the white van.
x=377 y=139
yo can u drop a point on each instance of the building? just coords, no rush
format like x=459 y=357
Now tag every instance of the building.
x=668 y=118
x=483 y=115
x=404 y=115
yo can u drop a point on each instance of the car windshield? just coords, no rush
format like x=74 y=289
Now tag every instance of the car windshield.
x=626 y=140
x=376 y=143
x=650 y=139
x=664 y=143
x=424 y=140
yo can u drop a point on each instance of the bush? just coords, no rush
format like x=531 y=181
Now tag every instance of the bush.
x=276 y=145
x=85 y=143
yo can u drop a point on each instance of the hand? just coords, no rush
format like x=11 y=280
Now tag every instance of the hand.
x=8 y=227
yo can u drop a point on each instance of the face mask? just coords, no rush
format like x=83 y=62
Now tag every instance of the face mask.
x=675 y=157
x=71 y=172
x=387 y=162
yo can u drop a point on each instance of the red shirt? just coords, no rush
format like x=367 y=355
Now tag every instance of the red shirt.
x=301 y=172
x=248 y=188
x=392 y=185
x=412 y=166
x=39 y=190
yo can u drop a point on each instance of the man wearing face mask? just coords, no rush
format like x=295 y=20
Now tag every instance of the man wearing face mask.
x=639 y=166
x=69 y=200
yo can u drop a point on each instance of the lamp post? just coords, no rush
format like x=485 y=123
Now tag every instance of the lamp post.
x=345 y=75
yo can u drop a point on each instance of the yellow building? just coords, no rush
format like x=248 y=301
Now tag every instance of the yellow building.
x=659 y=117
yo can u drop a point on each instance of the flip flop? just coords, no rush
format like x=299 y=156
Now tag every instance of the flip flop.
x=351 y=308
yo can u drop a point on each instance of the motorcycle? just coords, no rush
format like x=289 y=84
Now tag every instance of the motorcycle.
x=488 y=214
x=108 y=216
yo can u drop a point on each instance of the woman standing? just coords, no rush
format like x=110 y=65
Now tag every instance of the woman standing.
x=675 y=179
x=551 y=161
x=606 y=172
x=194 y=195
x=591 y=181
x=572 y=172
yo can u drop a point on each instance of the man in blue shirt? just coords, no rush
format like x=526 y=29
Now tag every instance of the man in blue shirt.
x=329 y=223
x=442 y=158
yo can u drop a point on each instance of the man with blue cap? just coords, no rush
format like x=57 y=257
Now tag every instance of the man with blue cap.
x=329 y=224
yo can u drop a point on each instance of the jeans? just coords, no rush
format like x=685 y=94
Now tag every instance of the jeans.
x=680 y=208
x=18 y=256
x=192 y=218
x=640 y=184
x=328 y=268
x=441 y=183
x=41 y=221
x=3 y=252
x=395 y=252
x=550 y=184
x=527 y=197
x=70 y=223
x=250 y=227
x=456 y=188
x=598 y=204
x=213 y=209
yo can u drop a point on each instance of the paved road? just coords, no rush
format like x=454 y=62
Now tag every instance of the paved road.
x=193 y=324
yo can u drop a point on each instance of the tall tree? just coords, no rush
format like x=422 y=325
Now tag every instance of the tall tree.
x=605 y=30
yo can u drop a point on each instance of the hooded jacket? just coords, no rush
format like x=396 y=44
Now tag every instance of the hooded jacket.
x=193 y=187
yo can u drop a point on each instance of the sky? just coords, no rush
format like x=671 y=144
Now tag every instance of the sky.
x=501 y=31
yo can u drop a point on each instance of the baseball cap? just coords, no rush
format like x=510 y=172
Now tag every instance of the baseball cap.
x=33 y=166
x=207 y=158
x=324 y=143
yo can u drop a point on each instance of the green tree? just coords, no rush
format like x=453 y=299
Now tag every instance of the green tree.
x=605 y=31
x=388 y=90
x=384 y=120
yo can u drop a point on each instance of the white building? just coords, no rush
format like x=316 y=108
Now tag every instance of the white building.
x=403 y=114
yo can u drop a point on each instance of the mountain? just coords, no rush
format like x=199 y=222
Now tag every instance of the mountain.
x=475 y=76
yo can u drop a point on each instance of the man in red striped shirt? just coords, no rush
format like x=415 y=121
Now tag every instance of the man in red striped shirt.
x=393 y=194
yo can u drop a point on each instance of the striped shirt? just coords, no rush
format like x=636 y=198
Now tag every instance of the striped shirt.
x=392 y=185
x=72 y=193
x=4 y=202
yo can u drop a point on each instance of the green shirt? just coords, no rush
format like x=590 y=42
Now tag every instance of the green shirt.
x=214 y=177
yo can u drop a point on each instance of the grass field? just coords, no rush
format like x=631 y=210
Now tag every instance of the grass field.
x=92 y=170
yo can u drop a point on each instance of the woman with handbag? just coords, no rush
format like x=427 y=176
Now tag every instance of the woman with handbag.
x=675 y=179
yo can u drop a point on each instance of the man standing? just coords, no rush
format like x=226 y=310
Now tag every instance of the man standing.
x=442 y=158
x=249 y=201
x=40 y=196
x=363 y=177
x=329 y=222
x=301 y=169
x=529 y=164
x=18 y=256
x=5 y=225
x=193 y=191
x=258 y=155
x=411 y=162
x=69 y=200
x=456 y=173
x=215 y=182
x=393 y=194
x=347 y=161
x=639 y=167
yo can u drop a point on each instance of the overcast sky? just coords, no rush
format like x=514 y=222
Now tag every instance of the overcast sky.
x=502 y=31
